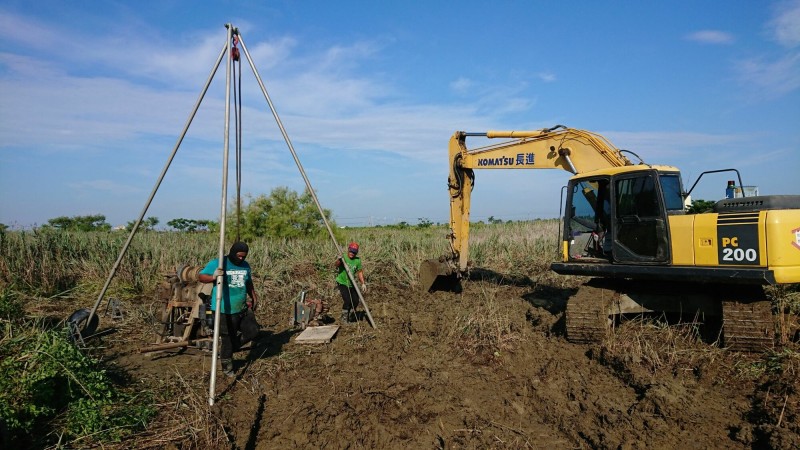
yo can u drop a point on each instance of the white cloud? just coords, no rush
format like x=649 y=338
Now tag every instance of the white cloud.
x=547 y=77
x=652 y=146
x=270 y=54
x=785 y=26
x=769 y=76
x=770 y=79
x=323 y=98
x=33 y=34
x=711 y=37
x=58 y=111
x=461 y=85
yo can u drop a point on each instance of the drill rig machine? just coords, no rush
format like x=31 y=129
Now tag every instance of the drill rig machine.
x=625 y=225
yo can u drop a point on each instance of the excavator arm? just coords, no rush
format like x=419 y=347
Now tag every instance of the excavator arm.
x=559 y=147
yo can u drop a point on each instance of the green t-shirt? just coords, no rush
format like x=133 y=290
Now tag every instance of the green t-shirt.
x=355 y=267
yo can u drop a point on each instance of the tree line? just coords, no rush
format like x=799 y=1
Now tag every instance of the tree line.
x=283 y=213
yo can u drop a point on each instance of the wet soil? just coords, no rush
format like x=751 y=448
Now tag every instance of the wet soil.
x=488 y=367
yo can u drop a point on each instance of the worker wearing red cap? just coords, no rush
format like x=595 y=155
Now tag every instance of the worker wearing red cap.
x=349 y=295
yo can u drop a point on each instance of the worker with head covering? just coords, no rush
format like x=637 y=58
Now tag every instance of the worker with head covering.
x=350 y=299
x=237 y=285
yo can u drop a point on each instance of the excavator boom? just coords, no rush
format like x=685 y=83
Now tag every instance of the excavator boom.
x=570 y=149
x=575 y=151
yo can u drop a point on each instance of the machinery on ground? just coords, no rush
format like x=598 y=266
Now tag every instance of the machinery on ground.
x=309 y=312
x=187 y=319
x=626 y=226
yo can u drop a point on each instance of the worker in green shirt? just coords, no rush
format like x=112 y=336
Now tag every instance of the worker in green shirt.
x=350 y=299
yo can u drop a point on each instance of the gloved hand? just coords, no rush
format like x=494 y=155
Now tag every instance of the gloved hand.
x=219 y=273
x=363 y=288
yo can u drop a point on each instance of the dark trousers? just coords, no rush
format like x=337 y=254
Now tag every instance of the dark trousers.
x=230 y=327
x=349 y=297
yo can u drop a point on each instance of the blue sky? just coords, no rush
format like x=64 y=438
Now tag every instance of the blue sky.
x=94 y=95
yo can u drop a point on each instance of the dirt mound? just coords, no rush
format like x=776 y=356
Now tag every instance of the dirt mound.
x=486 y=368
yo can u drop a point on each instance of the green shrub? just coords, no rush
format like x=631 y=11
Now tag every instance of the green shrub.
x=11 y=308
x=45 y=379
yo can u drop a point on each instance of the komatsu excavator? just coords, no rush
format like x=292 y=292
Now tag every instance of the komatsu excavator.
x=626 y=226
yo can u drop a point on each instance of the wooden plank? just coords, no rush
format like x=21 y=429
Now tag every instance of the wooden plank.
x=317 y=335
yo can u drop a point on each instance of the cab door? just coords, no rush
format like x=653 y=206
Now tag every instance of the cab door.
x=587 y=223
x=639 y=220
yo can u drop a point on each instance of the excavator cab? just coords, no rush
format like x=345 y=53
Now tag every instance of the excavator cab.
x=621 y=216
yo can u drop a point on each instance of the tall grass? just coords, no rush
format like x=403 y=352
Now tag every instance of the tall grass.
x=50 y=263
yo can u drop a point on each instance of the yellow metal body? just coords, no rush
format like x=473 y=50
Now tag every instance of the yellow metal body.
x=695 y=241
x=754 y=239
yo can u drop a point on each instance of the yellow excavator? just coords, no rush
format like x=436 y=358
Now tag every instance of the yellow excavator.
x=626 y=225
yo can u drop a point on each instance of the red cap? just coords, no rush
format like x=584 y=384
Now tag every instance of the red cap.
x=352 y=248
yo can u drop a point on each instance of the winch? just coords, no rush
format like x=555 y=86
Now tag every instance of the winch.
x=308 y=312
x=187 y=319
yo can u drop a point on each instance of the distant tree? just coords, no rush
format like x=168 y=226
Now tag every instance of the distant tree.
x=95 y=222
x=701 y=206
x=3 y=227
x=493 y=221
x=424 y=222
x=402 y=225
x=181 y=224
x=148 y=224
x=190 y=225
x=284 y=213
x=206 y=225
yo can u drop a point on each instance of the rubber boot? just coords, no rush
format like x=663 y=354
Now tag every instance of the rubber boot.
x=345 y=318
x=227 y=367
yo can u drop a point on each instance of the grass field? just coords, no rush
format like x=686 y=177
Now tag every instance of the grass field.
x=506 y=324
x=52 y=264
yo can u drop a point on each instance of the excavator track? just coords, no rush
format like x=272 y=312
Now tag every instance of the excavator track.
x=587 y=318
x=748 y=326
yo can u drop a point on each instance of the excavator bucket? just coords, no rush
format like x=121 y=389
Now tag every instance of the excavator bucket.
x=434 y=273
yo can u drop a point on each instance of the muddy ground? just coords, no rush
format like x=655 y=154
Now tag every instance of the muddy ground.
x=486 y=368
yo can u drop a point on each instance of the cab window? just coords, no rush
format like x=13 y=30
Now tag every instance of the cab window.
x=673 y=192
